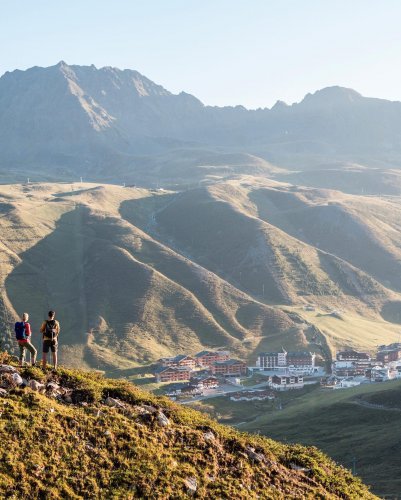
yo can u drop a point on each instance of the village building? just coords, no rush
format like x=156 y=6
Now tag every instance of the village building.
x=256 y=395
x=174 y=389
x=330 y=382
x=287 y=382
x=272 y=360
x=172 y=374
x=389 y=355
x=351 y=363
x=208 y=382
x=184 y=390
x=302 y=362
x=207 y=358
x=389 y=347
x=192 y=389
x=382 y=374
x=229 y=367
x=348 y=382
x=351 y=355
x=180 y=361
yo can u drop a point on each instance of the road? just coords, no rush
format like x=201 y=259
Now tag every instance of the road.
x=226 y=389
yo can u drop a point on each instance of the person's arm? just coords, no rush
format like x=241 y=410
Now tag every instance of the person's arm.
x=57 y=328
x=28 y=331
x=43 y=327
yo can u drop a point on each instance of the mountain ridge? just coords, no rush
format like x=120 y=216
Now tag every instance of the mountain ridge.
x=55 y=121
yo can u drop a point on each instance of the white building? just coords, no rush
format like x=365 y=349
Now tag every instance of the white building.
x=287 y=382
x=302 y=363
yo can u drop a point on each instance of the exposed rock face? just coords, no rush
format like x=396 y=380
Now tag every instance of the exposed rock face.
x=65 y=116
x=51 y=113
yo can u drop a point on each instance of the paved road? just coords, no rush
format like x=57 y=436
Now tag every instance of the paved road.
x=226 y=390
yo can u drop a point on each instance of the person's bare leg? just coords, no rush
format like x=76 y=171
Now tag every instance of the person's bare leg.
x=44 y=360
x=55 y=360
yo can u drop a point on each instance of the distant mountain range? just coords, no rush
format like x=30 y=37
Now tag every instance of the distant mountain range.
x=110 y=123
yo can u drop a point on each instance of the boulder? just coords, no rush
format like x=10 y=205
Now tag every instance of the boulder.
x=192 y=484
x=114 y=403
x=36 y=386
x=17 y=378
x=7 y=369
x=254 y=455
x=299 y=468
x=52 y=387
x=209 y=436
x=3 y=393
x=162 y=420
x=148 y=408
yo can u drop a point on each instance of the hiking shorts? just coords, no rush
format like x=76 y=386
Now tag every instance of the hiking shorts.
x=51 y=345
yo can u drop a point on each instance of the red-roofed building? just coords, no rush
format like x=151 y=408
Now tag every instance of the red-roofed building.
x=172 y=374
x=229 y=367
x=207 y=358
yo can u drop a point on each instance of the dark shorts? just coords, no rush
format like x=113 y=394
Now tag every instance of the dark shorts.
x=51 y=345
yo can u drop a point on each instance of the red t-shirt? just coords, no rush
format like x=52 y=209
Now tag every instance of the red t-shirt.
x=27 y=333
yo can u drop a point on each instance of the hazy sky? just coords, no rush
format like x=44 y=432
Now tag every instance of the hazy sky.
x=249 y=52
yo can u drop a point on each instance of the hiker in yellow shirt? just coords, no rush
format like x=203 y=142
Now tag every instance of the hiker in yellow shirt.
x=50 y=330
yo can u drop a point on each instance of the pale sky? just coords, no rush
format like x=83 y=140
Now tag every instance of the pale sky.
x=225 y=52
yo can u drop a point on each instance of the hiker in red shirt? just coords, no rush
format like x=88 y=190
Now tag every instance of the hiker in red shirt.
x=23 y=334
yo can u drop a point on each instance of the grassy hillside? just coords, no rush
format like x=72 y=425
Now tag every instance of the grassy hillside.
x=122 y=297
x=348 y=177
x=136 y=274
x=239 y=231
x=359 y=425
x=145 y=447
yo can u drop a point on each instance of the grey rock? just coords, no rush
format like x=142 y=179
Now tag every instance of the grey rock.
x=294 y=466
x=36 y=386
x=114 y=403
x=192 y=484
x=3 y=393
x=209 y=436
x=253 y=455
x=148 y=408
x=162 y=420
x=17 y=378
x=52 y=386
x=7 y=369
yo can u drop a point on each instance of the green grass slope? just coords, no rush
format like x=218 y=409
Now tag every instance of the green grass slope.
x=122 y=297
x=360 y=424
x=135 y=275
x=50 y=448
x=239 y=230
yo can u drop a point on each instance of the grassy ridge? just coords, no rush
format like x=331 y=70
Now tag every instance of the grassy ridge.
x=90 y=450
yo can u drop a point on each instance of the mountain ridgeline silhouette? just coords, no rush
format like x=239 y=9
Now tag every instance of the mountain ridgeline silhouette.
x=63 y=119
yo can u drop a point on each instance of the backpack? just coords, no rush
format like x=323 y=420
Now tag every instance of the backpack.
x=20 y=330
x=50 y=330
